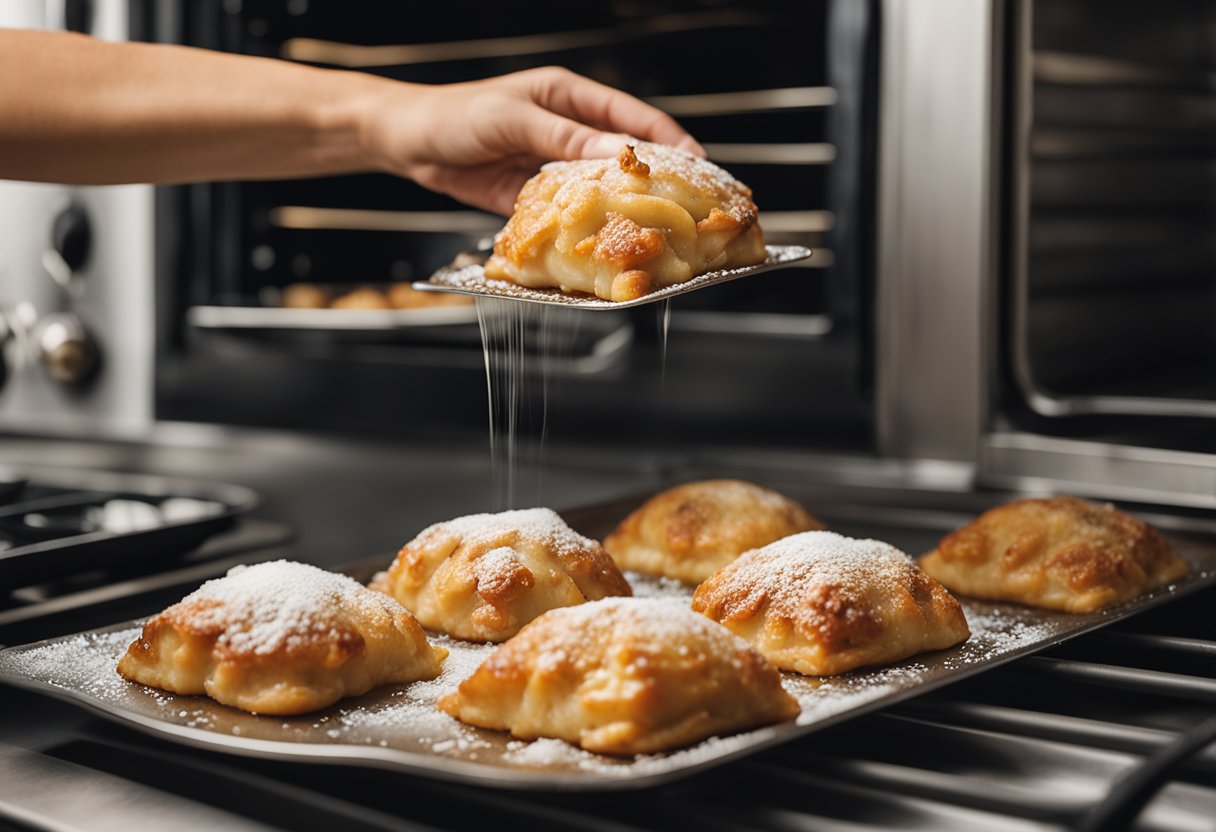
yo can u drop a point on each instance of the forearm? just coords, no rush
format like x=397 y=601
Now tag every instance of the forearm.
x=74 y=109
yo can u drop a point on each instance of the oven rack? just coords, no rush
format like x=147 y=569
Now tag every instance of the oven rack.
x=1080 y=737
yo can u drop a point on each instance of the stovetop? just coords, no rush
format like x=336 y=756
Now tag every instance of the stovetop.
x=1105 y=732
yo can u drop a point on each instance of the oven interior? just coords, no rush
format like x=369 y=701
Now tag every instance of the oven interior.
x=781 y=95
x=1113 y=209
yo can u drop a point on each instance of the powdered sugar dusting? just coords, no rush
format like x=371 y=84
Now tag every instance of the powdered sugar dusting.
x=266 y=607
x=782 y=570
x=541 y=524
x=400 y=725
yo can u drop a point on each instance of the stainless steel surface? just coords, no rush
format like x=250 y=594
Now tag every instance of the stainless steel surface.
x=254 y=317
x=41 y=792
x=1101 y=469
x=938 y=123
x=398 y=728
x=113 y=290
x=471 y=280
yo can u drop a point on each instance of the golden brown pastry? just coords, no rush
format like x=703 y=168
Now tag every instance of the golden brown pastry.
x=623 y=676
x=281 y=638
x=405 y=296
x=362 y=298
x=622 y=228
x=484 y=576
x=822 y=604
x=304 y=296
x=690 y=531
x=1062 y=553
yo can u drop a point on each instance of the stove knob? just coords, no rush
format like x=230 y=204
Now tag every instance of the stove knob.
x=71 y=240
x=68 y=352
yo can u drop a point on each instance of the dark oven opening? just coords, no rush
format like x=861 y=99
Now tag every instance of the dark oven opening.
x=782 y=95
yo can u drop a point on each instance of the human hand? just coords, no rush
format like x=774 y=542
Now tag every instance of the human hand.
x=480 y=141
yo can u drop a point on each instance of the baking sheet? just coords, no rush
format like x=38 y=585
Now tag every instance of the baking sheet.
x=472 y=280
x=399 y=728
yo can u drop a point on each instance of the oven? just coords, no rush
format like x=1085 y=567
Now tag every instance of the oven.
x=1011 y=207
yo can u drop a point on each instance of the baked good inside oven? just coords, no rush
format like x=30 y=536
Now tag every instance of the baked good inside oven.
x=622 y=676
x=484 y=576
x=622 y=228
x=690 y=531
x=405 y=296
x=304 y=296
x=281 y=638
x=1062 y=553
x=365 y=297
x=821 y=604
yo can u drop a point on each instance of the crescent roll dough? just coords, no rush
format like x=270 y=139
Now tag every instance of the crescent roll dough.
x=1063 y=553
x=822 y=604
x=622 y=228
x=690 y=531
x=280 y=638
x=484 y=576
x=622 y=676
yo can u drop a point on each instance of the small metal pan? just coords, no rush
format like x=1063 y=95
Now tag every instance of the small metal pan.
x=70 y=532
x=472 y=280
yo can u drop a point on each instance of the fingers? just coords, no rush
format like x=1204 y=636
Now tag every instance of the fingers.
x=535 y=130
x=599 y=105
x=492 y=187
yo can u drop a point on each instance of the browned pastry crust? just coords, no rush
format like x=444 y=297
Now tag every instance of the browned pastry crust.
x=1062 y=553
x=280 y=638
x=304 y=296
x=622 y=228
x=822 y=604
x=690 y=531
x=484 y=576
x=364 y=297
x=622 y=676
x=405 y=296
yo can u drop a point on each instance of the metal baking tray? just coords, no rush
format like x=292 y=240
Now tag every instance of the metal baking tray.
x=398 y=728
x=471 y=280
x=65 y=523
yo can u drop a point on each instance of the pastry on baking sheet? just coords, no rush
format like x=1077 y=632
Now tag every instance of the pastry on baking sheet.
x=622 y=228
x=281 y=638
x=623 y=676
x=1063 y=553
x=484 y=576
x=822 y=604
x=690 y=531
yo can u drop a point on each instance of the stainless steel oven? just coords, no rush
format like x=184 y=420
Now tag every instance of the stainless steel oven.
x=1012 y=207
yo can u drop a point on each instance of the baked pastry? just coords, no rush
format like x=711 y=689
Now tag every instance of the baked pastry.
x=1062 y=553
x=622 y=228
x=622 y=676
x=304 y=296
x=822 y=604
x=405 y=296
x=280 y=638
x=690 y=531
x=364 y=297
x=484 y=576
